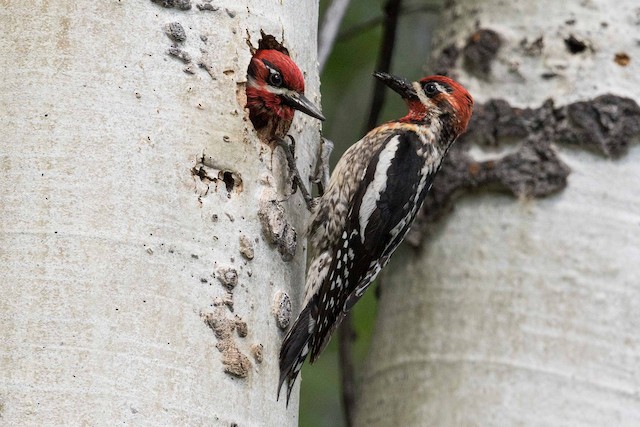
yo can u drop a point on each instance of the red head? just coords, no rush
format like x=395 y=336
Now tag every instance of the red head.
x=433 y=97
x=275 y=88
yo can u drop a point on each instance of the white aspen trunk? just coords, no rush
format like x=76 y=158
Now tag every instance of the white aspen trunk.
x=524 y=313
x=131 y=185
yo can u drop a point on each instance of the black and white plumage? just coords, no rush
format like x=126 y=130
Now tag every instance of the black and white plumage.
x=372 y=199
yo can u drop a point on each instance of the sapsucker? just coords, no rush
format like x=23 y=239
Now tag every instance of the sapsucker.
x=372 y=199
x=275 y=89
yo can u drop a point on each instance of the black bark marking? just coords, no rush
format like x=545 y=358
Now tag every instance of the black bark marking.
x=574 y=45
x=606 y=125
x=229 y=180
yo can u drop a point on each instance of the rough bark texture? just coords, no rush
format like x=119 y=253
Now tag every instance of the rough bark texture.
x=525 y=311
x=138 y=284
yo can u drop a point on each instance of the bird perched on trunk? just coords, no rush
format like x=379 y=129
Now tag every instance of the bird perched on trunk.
x=372 y=199
x=275 y=90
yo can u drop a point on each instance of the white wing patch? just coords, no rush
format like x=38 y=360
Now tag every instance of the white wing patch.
x=378 y=185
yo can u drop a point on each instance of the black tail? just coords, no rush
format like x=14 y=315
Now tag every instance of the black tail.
x=294 y=350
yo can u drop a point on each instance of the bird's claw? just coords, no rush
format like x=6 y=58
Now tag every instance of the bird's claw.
x=289 y=152
x=322 y=173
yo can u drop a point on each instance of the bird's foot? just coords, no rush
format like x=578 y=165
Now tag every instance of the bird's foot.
x=294 y=174
x=322 y=173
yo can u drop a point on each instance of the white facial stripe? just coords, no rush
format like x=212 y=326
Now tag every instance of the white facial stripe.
x=280 y=90
x=251 y=82
x=421 y=96
x=378 y=185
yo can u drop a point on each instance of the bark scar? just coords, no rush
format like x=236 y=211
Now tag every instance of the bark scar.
x=207 y=174
x=234 y=361
x=606 y=124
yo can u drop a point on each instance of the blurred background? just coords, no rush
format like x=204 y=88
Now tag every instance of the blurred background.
x=347 y=93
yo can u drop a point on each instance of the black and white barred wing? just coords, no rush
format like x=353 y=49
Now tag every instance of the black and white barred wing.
x=390 y=193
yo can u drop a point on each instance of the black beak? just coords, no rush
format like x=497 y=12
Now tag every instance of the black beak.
x=398 y=84
x=301 y=103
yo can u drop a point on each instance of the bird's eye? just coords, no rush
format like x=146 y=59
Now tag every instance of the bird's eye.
x=430 y=89
x=275 y=79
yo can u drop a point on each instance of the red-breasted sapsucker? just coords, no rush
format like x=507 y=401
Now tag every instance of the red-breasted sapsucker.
x=372 y=199
x=275 y=89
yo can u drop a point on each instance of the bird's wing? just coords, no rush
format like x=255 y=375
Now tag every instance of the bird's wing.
x=379 y=215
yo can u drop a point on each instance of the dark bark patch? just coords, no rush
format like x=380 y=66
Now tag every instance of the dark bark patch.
x=178 y=4
x=207 y=6
x=229 y=180
x=533 y=171
x=480 y=51
x=606 y=124
x=549 y=75
x=175 y=32
x=533 y=48
x=446 y=60
x=575 y=45
x=181 y=54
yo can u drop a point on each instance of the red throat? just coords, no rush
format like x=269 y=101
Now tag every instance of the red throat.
x=417 y=112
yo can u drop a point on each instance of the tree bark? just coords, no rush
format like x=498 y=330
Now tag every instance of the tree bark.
x=524 y=312
x=147 y=237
